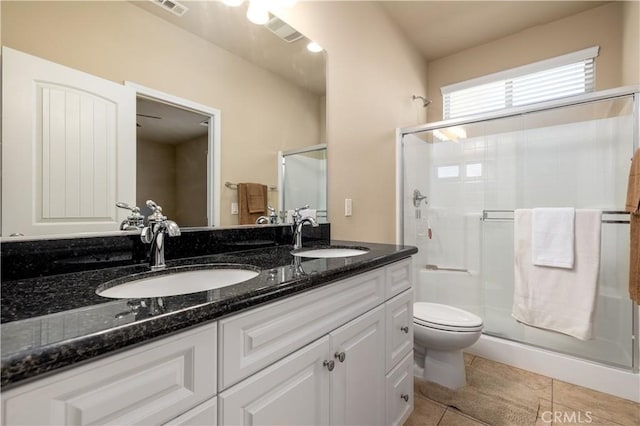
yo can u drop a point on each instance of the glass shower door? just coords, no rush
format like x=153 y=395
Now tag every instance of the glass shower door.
x=575 y=156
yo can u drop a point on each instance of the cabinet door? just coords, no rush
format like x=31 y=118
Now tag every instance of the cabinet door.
x=293 y=391
x=358 y=381
x=399 y=311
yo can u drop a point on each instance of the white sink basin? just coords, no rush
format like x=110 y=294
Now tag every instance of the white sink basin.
x=329 y=252
x=178 y=282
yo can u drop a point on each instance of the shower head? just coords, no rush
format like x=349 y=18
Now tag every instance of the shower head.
x=425 y=101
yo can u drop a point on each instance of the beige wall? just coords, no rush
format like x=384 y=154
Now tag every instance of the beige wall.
x=371 y=74
x=630 y=43
x=119 y=41
x=602 y=26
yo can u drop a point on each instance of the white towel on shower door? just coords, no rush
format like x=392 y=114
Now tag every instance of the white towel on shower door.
x=558 y=299
x=553 y=237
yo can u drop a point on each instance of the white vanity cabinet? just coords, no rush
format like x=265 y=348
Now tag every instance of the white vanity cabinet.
x=340 y=354
x=151 y=384
x=360 y=325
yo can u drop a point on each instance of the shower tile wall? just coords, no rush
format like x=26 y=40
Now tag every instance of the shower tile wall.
x=575 y=156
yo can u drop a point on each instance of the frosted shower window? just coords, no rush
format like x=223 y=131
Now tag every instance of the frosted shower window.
x=559 y=77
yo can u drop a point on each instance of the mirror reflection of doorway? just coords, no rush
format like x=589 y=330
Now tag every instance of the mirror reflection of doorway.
x=171 y=157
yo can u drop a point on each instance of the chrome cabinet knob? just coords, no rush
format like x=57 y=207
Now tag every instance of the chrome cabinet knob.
x=405 y=396
x=405 y=329
x=340 y=356
x=329 y=364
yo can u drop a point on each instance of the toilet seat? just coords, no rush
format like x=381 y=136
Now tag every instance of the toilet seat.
x=444 y=317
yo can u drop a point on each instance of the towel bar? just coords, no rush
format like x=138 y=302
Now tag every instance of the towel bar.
x=235 y=186
x=504 y=217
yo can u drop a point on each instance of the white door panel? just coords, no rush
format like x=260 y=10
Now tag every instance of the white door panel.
x=68 y=148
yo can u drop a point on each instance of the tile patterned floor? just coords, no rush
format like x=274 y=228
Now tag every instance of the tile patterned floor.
x=559 y=403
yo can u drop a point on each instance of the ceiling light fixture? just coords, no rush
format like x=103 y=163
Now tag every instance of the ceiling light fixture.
x=258 y=10
x=314 y=47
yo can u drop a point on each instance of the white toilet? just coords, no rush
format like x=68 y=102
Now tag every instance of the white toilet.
x=441 y=332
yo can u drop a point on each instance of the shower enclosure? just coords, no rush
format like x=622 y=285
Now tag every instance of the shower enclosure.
x=461 y=180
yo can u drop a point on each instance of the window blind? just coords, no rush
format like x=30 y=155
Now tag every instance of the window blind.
x=553 y=78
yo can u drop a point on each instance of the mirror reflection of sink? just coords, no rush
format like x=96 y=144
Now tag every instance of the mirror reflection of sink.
x=330 y=252
x=177 y=281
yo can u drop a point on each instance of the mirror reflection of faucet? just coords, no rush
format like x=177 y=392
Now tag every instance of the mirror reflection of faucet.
x=296 y=267
x=143 y=308
x=135 y=221
x=272 y=219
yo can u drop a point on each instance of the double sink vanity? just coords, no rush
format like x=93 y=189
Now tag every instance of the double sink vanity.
x=239 y=328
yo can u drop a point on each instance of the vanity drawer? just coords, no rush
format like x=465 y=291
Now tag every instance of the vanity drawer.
x=399 y=321
x=252 y=340
x=399 y=277
x=399 y=394
x=151 y=384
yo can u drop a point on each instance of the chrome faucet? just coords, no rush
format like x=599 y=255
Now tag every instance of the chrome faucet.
x=154 y=233
x=298 y=222
x=271 y=219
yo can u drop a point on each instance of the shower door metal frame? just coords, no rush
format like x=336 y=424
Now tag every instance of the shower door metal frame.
x=513 y=112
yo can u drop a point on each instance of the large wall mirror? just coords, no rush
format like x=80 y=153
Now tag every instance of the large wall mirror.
x=268 y=90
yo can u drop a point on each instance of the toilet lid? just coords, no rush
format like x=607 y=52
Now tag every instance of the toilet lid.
x=445 y=316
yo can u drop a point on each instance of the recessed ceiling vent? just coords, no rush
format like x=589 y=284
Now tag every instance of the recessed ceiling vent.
x=283 y=30
x=172 y=6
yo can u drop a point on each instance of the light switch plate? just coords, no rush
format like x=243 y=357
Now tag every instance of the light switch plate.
x=347 y=206
x=234 y=208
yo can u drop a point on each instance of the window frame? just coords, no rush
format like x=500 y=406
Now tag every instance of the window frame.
x=507 y=76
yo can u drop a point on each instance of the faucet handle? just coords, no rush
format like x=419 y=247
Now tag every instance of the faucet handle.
x=156 y=214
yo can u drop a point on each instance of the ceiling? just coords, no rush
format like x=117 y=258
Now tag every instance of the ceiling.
x=441 y=28
x=435 y=28
x=228 y=28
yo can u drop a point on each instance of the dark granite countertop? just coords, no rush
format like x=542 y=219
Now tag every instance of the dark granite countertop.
x=53 y=322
